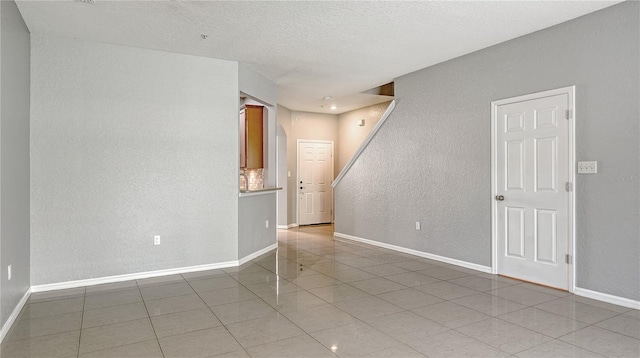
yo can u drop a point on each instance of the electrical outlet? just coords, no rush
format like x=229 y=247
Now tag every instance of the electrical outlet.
x=156 y=240
x=9 y=272
x=588 y=167
x=266 y=224
x=417 y=225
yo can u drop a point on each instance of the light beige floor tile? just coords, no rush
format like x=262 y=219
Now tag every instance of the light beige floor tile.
x=412 y=279
x=503 y=335
x=388 y=257
x=351 y=275
x=242 y=311
x=317 y=318
x=204 y=343
x=314 y=281
x=246 y=268
x=115 y=335
x=407 y=327
x=368 y=307
x=330 y=267
x=236 y=354
x=384 y=270
x=111 y=287
x=354 y=339
x=446 y=290
x=377 y=285
x=414 y=265
x=599 y=304
x=604 y=342
x=50 y=346
x=165 y=291
x=570 y=308
x=623 y=324
x=56 y=295
x=52 y=308
x=452 y=344
x=255 y=277
x=183 y=322
x=271 y=288
x=115 y=314
x=214 y=283
x=109 y=299
x=200 y=275
x=270 y=328
x=557 y=349
x=338 y=293
x=147 y=349
x=544 y=289
x=174 y=304
x=489 y=304
x=160 y=280
x=450 y=314
x=227 y=295
x=400 y=351
x=409 y=298
x=293 y=301
x=481 y=284
x=522 y=295
x=442 y=273
x=543 y=322
x=357 y=262
x=29 y=328
x=295 y=347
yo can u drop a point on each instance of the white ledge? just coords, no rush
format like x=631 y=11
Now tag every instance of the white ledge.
x=364 y=144
x=245 y=193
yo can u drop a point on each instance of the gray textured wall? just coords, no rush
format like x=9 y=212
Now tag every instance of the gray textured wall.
x=127 y=144
x=253 y=235
x=14 y=153
x=430 y=162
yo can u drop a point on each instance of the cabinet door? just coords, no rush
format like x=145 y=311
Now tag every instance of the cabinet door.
x=254 y=128
x=243 y=140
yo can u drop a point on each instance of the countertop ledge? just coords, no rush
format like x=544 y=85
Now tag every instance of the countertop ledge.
x=262 y=191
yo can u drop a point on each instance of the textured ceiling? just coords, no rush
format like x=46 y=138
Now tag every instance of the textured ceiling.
x=310 y=49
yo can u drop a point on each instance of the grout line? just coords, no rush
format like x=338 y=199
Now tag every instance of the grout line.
x=84 y=300
x=149 y=318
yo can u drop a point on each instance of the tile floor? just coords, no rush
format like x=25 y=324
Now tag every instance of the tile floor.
x=320 y=297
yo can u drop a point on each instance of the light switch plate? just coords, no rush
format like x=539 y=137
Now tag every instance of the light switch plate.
x=588 y=167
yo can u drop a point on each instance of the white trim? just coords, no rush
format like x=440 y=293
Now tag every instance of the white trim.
x=14 y=315
x=605 y=297
x=252 y=256
x=291 y=226
x=364 y=143
x=426 y=255
x=244 y=194
x=148 y=274
x=571 y=94
x=283 y=227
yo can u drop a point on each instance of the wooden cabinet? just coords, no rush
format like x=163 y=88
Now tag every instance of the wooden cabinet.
x=251 y=137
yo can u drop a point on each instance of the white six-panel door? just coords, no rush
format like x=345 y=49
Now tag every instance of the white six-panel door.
x=315 y=174
x=532 y=222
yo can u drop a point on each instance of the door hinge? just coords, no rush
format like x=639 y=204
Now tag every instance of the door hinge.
x=567 y=259
x=568 y=186
x=567 y=114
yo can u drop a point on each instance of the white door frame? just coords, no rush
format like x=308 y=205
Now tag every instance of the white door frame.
x=298 y=173
x=570 y=92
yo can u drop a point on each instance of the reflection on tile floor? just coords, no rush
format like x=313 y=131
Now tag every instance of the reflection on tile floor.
x=320 y=297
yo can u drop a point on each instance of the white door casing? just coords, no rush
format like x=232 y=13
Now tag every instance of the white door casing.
x=315 y=174
x=532 y=176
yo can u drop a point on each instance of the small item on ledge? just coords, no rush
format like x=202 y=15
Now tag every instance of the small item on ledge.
x=251 y=179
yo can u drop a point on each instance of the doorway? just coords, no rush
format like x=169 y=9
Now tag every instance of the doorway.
x=532 y=188
x=315 y=174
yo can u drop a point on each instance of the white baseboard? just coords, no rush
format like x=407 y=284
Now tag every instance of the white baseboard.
x=252 y=256
x=14 y=315
x=605 y=297
x=291 y=226
x=283 y=227
x=425 y=255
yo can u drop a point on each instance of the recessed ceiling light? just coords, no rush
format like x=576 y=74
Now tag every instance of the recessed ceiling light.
x=333 y=106
x=86 y=1
x=204 y=36
x=326 y=98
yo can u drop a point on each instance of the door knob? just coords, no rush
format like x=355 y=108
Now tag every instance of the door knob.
x=499 y=197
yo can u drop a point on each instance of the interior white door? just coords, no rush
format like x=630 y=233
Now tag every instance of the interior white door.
x=315 y=173
x=532 y=164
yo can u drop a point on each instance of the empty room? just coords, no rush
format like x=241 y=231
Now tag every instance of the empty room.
x=319 y=178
